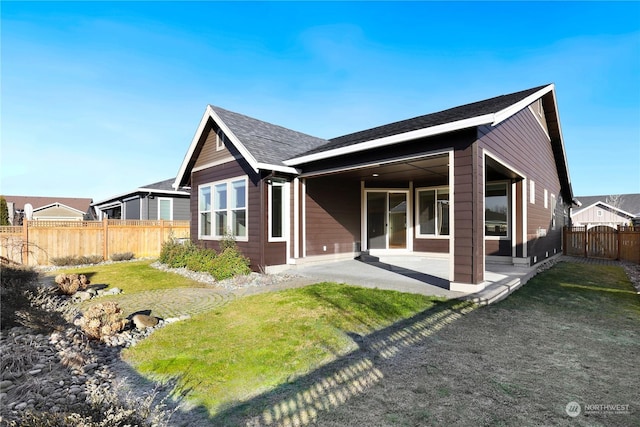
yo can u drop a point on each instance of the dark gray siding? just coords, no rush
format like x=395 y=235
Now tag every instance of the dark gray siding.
x=181 y=209
x=132 y=209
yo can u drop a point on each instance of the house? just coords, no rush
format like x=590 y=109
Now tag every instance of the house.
x=478 y=183
x=48 y=208
x=608 y=210
x=150 y=202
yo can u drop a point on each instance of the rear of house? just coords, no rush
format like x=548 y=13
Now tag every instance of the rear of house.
x=486 y=181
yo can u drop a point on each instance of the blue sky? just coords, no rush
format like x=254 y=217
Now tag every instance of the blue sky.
x=98 y=98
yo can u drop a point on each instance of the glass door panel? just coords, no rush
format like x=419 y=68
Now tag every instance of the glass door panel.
x=376 y=220
x=397 y=221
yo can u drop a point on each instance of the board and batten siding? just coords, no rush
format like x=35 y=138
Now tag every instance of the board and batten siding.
x=523 y=144
x=590 y=216
x=253 y=247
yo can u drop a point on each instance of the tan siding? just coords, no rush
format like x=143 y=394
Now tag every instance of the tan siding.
x=209 y=153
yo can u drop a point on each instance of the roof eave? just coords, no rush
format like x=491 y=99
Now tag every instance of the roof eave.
x=394 y=139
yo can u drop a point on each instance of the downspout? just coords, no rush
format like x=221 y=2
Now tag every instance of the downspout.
x=262 y=265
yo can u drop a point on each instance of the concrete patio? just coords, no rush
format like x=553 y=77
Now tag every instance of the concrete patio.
x=419 y=274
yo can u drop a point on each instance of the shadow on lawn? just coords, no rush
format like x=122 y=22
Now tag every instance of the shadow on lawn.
x=300 y=401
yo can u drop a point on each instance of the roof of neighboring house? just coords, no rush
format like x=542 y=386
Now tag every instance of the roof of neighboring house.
x=161 y=187
x=79 y=204
x=629 y=203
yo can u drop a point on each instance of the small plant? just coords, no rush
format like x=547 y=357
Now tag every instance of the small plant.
x=228 y=241
x=123 y=256
x=102 y=320
x=69 y=284
x=76 y=260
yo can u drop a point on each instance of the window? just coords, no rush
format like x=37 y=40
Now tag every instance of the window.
x=496 y=209
x=546 y=197
x=433 y=212
x=553 y=212
x=599 y=212
x=222 y=209
x=277 y=211
x=219 y=140
x=532 y=192
x=165 y=208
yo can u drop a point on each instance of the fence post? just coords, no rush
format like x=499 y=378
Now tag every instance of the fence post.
x=619 y=243
x=586 y=244
x=105 y=239
x=564 y=240
x=25 y=241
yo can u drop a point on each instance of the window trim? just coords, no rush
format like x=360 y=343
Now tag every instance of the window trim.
x=509 y=211
x=553 y=211
x=229 y=209
x=532 y=192
x=418 y=234
x=285 y=210
x=170 y=208
x=219 y=140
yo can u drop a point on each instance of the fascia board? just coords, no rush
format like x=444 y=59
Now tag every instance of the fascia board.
x=277 y=168
x=210 y=113
x=192 y=147
x=156 y=191
x=394 y=139
x=505 y=113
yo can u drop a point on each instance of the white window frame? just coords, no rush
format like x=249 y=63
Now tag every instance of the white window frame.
x=219 y=140
x=509 y=212
x=532 y=192
x=229 y=209
x=546 y=199
x=285 y=211
x=160 y=199
x=599 y=213
x=553 y=211
x=418 y=231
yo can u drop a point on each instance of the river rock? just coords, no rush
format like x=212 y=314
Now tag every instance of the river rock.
x=142 y=321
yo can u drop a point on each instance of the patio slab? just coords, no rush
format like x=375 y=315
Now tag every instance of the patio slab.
x=419 y=274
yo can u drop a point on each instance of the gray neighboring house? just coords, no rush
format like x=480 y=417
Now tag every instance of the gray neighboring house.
x=150 y=202
x=609 y=210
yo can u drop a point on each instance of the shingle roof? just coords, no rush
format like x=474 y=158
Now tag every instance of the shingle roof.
x=166 y=185
x=268 y=143
x=455 y=114
x=628 y=202
x=81 y=204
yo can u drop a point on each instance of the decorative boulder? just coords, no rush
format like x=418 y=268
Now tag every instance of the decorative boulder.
x=142 y=321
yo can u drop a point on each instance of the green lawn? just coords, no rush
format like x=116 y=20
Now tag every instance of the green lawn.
x=132 y=277
x=257 y=343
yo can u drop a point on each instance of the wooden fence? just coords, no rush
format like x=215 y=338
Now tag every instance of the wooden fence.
x=37 y=242
x=603 y=242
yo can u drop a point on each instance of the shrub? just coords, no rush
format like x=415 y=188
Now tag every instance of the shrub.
x=228 y=242
x=230 y=263
x=175 y=253
x=69 y=284
x=201 y=259
x=124 y=256
x=103 y=319
x=15 y=282
x=76 y=260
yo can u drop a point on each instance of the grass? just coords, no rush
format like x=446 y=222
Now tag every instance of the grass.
x=257 y=343
x=132 y=277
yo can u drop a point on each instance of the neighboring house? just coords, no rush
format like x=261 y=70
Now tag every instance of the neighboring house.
x=150 y=202
x=49 y=208
x=609 y=210
x=483 y=181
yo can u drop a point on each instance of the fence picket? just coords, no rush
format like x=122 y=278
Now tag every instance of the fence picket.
x=603 y=242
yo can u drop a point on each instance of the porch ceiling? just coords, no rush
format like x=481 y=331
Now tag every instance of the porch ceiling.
x=402 y=170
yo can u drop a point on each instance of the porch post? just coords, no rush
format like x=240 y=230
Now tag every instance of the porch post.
x=468 y=256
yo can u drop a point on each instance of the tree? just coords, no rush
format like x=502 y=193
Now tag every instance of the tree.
x=614 y=200
x=4 y=212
